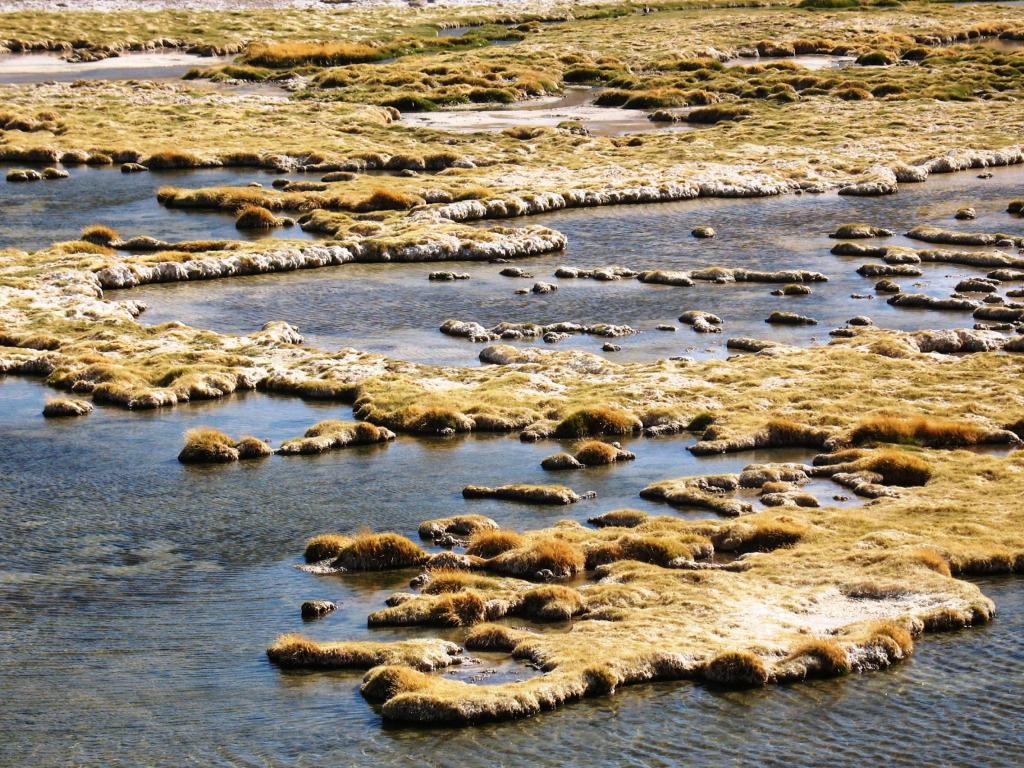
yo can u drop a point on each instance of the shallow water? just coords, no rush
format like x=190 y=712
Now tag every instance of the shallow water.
x=138 y=596
x=148 y=65
x=329 y=305
x=576 y=104
x=127 y=202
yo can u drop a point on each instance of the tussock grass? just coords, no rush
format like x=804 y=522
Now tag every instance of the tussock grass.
x=620 y=518
x=552 y=602
x=455 y=609
x=98 y=234
x=204 y=445
x=378 y=552
x=897 y=467
x=596 y=453
x=492 y=543
x=822 y=657
x=598 y=420
x=559 y=558
x=172 y=159
x=385 y=682
x=664 y=549
x=64 y=407
x=324 y=546
x=256 y=217
x=917 y=430
x=288 y=55
x=736 y=669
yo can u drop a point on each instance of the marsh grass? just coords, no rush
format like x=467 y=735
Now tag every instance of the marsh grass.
x=492 y=543
x=917 y=430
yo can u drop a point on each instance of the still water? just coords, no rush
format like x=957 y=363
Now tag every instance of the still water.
x=330 y=305
x=137 y=597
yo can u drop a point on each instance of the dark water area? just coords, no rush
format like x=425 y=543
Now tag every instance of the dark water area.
x=137 y=597
x=330 y=305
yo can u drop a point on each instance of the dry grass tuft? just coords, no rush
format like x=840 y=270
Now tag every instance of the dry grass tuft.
x=205 y=445
x=255 y=217
x=917 y=430
x=379 y=552
x=539 y=558
x=736 y=669
x=492 y=543
x=98 y=234
x=324 y=546
x=551 y=602
x=594 y=453
x=598 y=420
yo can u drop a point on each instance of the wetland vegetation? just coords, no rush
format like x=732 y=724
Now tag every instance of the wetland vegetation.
x=819 y=471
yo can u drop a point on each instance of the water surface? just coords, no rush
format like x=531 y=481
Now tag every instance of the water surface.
x=329 y=305
x=138 y=597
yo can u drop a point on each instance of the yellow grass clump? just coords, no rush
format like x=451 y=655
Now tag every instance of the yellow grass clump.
x=492 y=543
x=598 y=420
x=917 y=430
x=98 y=234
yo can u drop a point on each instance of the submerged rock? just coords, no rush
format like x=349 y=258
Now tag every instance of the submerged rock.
x=703 y=232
